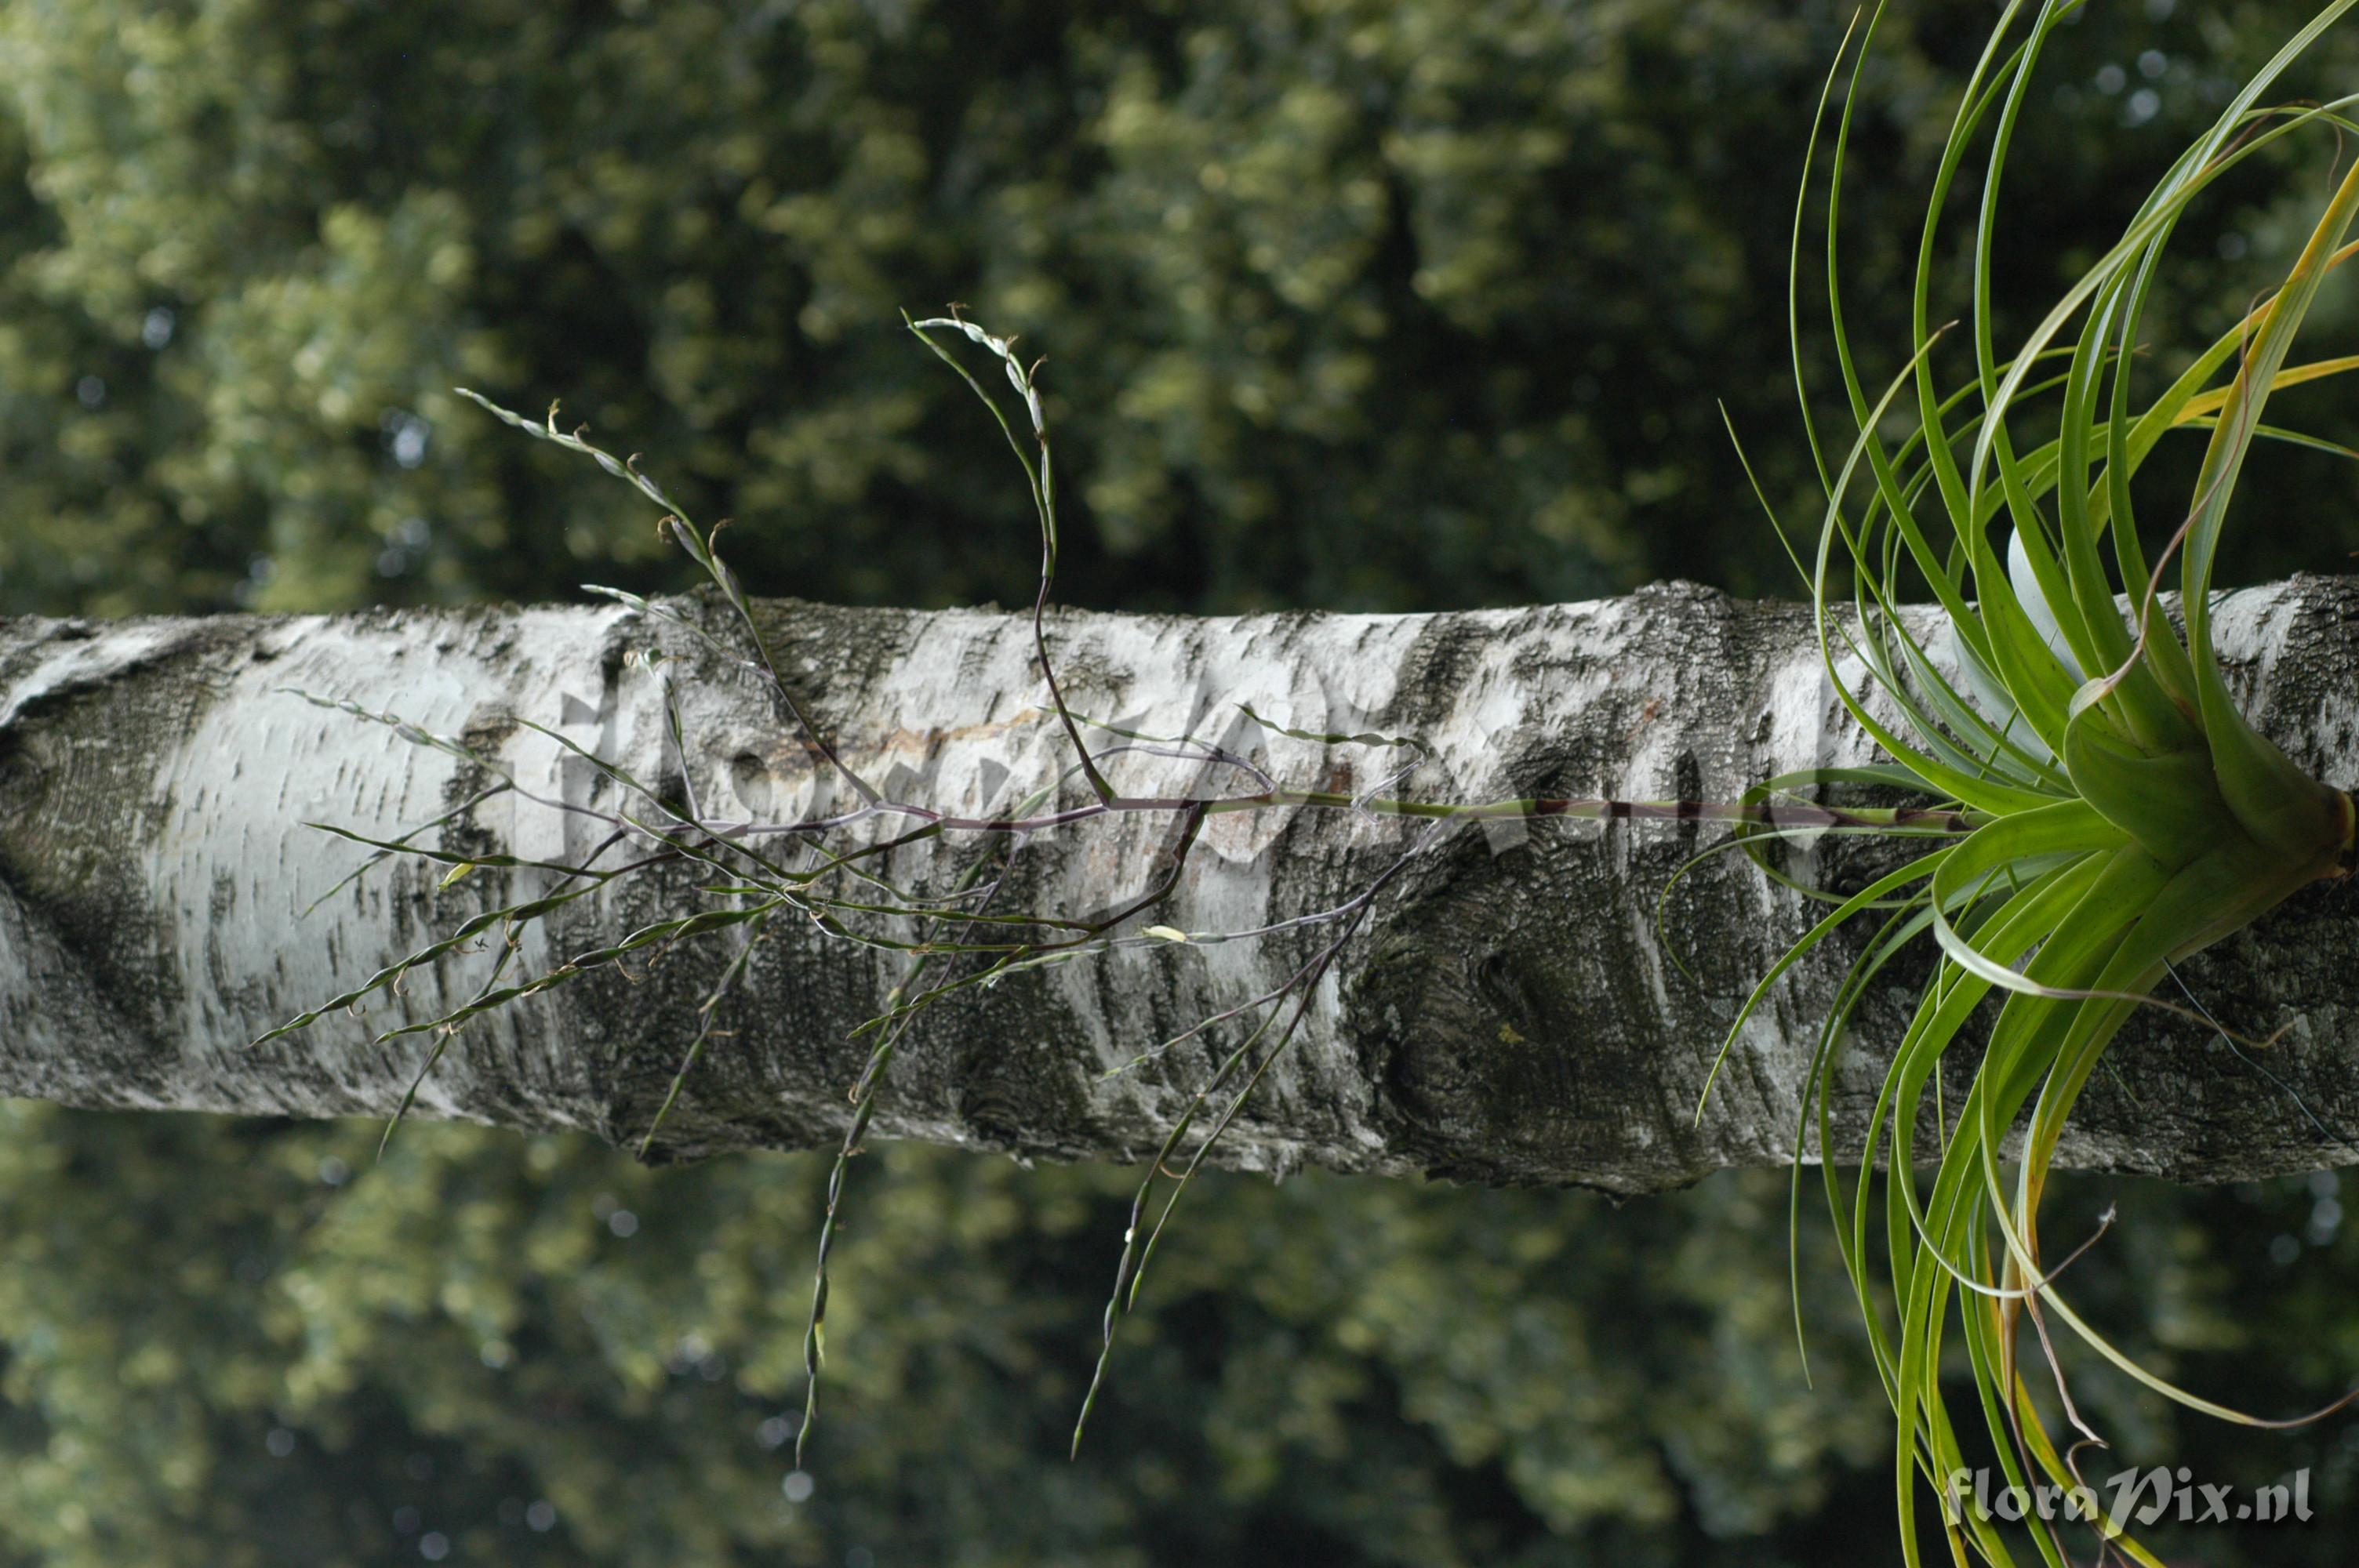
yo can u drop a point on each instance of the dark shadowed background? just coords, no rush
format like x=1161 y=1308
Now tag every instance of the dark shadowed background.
x=1406 y=305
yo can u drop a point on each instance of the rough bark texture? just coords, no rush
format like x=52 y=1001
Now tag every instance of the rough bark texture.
x=1508 y=1015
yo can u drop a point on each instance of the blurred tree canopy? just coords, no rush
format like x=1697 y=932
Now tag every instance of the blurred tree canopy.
x=1403 y=305
x=1363 y=305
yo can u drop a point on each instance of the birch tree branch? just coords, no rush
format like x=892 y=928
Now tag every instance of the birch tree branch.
x=1507 y=1015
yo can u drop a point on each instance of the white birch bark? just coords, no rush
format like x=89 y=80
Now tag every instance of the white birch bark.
x=1508 y=1013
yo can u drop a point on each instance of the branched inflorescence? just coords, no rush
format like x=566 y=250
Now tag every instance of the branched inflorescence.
x=2089 y=804
x=830 y=870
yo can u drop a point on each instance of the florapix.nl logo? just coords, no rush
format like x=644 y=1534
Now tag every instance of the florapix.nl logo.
x=2131 y=1496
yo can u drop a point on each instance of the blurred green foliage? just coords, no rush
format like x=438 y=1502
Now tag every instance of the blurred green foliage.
x=1357 y=304
x=243 y=1343
x=1400 y=306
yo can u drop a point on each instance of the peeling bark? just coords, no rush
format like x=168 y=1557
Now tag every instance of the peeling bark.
x=1507 y=1015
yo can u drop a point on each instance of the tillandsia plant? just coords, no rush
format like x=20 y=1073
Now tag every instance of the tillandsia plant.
x=2124 y=811
x=2093 y=804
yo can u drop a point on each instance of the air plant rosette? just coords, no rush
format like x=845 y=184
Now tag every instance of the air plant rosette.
x=2124 y=813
